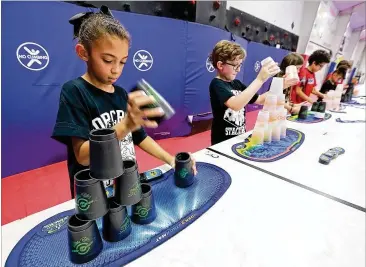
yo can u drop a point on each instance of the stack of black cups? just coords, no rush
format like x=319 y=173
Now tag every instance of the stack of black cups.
x=91 y=202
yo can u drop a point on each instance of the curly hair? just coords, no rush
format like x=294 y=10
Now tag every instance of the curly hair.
x=226 y=51
x=99 y=25
x=319 y=56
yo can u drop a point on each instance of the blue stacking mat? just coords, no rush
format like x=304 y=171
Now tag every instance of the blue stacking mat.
x=310 y=118
x=47 y=243
x=269 y=152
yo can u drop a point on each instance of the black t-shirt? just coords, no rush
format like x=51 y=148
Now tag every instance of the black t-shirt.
x=327 y=86
x=82 y=108
x=226 y=123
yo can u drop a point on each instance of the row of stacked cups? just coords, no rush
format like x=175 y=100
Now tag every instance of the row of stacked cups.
x=91 y=202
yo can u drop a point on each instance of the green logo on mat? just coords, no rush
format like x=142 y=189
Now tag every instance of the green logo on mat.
x=183 y=173
x=83 y=246
x=125 y=225
x=84 y=201
x=55 y=226
x=141 y=211
x=135 y=189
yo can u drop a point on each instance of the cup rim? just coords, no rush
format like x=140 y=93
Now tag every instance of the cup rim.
x=109 y=134
x=85 y=224
x=148 y=187
x=187 y=157
x=116 y=208
x=128 y=168
x=83 y=182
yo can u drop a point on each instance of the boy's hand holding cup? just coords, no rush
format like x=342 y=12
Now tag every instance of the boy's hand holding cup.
x=269 y=69
x=291 y=77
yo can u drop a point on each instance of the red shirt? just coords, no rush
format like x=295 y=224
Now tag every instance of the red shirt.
x=307 y=83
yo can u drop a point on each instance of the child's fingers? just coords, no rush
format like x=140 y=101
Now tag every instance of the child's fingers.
x=150 y=124
x=153 y=112
x=141 y=100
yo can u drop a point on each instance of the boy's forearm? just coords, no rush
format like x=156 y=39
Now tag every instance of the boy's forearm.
x=241 y=100
x=155 y=150
x=317 y=93
x=301 y=94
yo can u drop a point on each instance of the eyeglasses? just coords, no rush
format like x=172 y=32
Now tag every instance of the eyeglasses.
x=235 y=67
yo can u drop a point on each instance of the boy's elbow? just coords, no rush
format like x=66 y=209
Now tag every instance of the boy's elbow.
x=232 y=105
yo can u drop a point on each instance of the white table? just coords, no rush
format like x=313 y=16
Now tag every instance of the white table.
x=343 y=178
x=259 y=221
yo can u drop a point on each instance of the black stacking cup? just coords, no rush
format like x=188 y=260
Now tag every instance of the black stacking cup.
x=116 y=223
x=144 y=212
x=183 y=174
x=84 y=240
x=91 y=198
x=303 y=114
x=314 y=107
x=105 y=155
x=322 y=107
x=128 y=186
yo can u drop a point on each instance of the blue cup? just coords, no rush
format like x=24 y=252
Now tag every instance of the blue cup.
x=144 y=211
x=85 y=242
x=116 y=223
x=183 y=174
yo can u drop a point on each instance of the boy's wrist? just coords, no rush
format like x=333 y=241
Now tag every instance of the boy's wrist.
x=121 y=129
x=260 y=80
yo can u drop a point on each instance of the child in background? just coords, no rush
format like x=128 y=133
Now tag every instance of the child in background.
x=307 y=83
x=292 y=59
x=344 y=64
x=229 y=96
x=332 y=82
x=93 y=101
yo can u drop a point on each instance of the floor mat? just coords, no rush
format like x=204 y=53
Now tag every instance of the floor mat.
x=176 y=209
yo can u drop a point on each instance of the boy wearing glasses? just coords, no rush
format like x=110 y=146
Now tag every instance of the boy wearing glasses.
x=229 y=96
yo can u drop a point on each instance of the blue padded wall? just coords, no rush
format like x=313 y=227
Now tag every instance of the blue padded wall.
x=170 y=54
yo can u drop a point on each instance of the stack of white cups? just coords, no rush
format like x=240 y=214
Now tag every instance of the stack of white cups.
x=329 y=100
x=338 y=96
x=271 y=121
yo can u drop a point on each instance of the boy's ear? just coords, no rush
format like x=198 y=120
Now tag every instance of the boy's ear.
x=219 y=65
x=81 y=52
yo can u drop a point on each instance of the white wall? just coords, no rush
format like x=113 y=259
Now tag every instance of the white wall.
x=350 y=45
x=279 y=13
x=309 y=13
x=325 y=25
x=356 y=56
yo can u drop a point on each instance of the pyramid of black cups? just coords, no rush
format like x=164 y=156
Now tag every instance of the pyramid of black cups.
x=91 y=201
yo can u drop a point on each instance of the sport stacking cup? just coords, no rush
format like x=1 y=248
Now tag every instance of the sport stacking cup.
x=183 y=174
x=84 y=240
x=262 y=118
x=267 y=135
x=258 y=135
x=128 y=187
x=116 y=223
x=321 y=110
x=291 y=72
x=280 y=100
x=276 y=86
x=105 y=155
x=91 y=198
x=144 y=212
x=303 y=114
x=270 y=103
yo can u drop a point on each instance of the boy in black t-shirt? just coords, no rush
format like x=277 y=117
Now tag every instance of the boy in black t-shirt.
x=333 y=81
x=92 y=101
x=229 y=96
